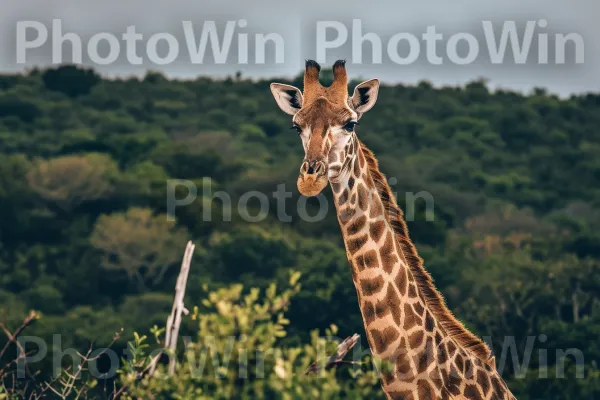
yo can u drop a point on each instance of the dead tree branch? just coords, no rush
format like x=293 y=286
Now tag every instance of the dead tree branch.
x=12 y=336
x=336 y=359
x=173 y=322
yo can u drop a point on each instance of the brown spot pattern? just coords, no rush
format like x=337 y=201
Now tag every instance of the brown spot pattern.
x=469 y=369
x=451 y=348
x=343 y=198
x=419 y=308
x=376 y=230
x=426 y=356
x=401 y=281
x=371 y=286
x=368 y=311
x=386 y=252
x=371 y=259
x=346 y=215
x=412 y=290
x=376 y=209
x=381 y=308
x=460 y=364
x=361 y=159
x=425 y=390
x=484 y=382
x=472 y=393
x=498 y=387
x=403 y=365
x=387 y=377
x=356 y=168
x=351 y=182
x=436 y=378
x=369 y=181
x=363 y=197
x=359 y=262
x=416 y=339
x=356 y=243
x=429 y=323
x=357 y=225
x=410 y=318
x=454 y=381
x=394 y=304
x=401 y=395
x=382 y=339
x=442 y=355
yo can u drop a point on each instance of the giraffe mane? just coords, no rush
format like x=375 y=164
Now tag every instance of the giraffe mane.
x=432 y=297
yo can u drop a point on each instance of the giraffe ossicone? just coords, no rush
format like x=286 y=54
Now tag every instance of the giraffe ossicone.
x=406 y=320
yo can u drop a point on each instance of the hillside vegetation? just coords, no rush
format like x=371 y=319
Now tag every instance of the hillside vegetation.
x=85 y=237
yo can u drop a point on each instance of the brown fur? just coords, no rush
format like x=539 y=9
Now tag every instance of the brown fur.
x=431 y=296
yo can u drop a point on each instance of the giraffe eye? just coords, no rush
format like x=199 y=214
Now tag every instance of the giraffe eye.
x=297 y=128
x=349 y=127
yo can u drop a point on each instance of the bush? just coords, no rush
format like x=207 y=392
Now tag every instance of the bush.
x=239 y=351
x=70 y=80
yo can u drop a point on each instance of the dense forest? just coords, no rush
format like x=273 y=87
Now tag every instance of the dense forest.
x=87 y=238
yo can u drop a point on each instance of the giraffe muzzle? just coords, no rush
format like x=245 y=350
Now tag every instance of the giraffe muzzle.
x=313 y=177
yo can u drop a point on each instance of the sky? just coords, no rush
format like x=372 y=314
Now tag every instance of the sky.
x=464 y=46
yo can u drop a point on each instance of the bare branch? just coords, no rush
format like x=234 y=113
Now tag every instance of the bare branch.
x=12 y=337
x=336 y=359
x=173 y=322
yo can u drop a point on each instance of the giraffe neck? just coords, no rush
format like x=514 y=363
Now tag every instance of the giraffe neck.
x=400 y=326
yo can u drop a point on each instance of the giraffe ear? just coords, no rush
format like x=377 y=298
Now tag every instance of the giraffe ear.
x=365 y=96
x=289 y=98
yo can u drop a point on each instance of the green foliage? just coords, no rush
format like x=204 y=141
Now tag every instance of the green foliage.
x=238 y=350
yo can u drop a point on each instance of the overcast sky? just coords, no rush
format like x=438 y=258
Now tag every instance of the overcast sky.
x=297 y=23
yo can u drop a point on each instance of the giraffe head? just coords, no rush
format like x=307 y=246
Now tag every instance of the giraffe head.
x=325 y=118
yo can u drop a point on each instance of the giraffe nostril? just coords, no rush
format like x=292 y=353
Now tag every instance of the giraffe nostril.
x=304 y=167
x=319 y=168
x=313 y=167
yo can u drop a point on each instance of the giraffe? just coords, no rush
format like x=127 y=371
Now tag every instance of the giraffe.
x=433 y=356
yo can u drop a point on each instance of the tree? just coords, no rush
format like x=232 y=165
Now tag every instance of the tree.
x=70 y=80
x=71 y=180
x=252 y=252
x=12 y=105
x=139 y=243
